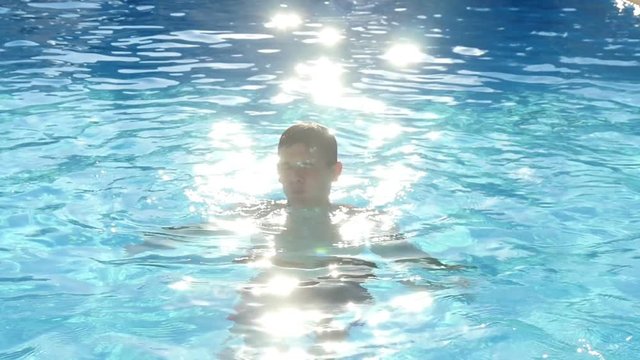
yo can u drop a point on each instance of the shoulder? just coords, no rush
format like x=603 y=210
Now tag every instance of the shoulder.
x=372 y=214
x=365 y=224
x=258 y=210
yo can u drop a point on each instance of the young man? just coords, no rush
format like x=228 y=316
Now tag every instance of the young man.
x=313 y=255
x=309 y=275
x=308 y=165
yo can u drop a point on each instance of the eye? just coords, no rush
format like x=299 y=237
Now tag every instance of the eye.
x=305 y=165
x=308 y=164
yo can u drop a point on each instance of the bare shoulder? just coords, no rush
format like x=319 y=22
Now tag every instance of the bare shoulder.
x=378 y=229
x=370 y=220
x=258 y=209
x=228 y=222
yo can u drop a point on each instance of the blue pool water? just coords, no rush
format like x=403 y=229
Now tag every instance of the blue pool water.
x=503 y=138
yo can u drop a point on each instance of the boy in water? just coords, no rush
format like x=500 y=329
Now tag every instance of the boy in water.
x=310 y=276
x=308 y=165
x=309 y=289
x=311 y=253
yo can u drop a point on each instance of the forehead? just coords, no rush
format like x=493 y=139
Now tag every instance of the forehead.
x=299 y=152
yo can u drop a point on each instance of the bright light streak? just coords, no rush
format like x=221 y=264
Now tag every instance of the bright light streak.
x=281 y=285
x=525 y=173
x=289 y=323
x=284 y=21
x=404 y=54
x=222 y=131
x=231 y=178
x=182 y=285
x=434 y=135
x=337 y=347
x=415 y=302
x=463 y=50
x=378 y=133
x=356 y=231
x=261 y=264
x=324 y=80
x=239 y=226
x=379 y=317
x=394 y=179
x=329 y=36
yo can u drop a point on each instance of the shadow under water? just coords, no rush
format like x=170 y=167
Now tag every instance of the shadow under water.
x=312 y=265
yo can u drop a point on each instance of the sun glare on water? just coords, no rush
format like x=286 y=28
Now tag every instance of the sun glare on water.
x=322 y=80
x=231 y=178
x=404 y=54
x=329 y=36
x=279 y=286
x=284 y=21
x=290 y=322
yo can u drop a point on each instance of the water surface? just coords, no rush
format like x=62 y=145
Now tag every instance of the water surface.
x=503 y=138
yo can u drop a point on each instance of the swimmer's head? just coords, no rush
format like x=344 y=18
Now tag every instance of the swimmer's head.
x=314 y=136
x=308 y=164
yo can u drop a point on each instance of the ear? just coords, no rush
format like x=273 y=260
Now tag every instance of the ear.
x=279 y=172
x=337 y=170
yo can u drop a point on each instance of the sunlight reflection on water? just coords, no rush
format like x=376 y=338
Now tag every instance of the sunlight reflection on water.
x=284 y=21
x=502 y=136
x=404 y=54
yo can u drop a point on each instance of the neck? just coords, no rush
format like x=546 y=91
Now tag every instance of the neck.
x=318 y=205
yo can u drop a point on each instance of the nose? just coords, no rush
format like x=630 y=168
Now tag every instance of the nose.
x=297 y=176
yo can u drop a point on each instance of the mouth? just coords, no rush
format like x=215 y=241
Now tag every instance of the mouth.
x=296 y=190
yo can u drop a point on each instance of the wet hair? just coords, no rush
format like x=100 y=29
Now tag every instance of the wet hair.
x=312 y=135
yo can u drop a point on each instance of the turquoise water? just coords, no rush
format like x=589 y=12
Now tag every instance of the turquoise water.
x=503 y=138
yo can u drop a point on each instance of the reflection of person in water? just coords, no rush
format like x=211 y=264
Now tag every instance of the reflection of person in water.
x=312 y=253
x=312 y=257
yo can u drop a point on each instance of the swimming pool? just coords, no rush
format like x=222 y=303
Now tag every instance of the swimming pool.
x=503 y=138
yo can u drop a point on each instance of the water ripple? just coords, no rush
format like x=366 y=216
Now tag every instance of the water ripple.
x=82 y=58
x=137 y=84
x=19 y=354
x=496 y=135
x=595 y=61
x=65 y=5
